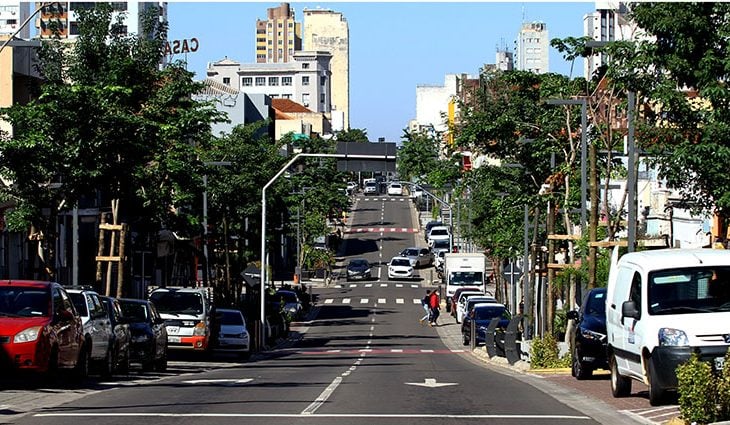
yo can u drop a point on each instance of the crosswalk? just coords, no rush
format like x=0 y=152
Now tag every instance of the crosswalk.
x=353 y=230
x=381 y=285
x=369 y=301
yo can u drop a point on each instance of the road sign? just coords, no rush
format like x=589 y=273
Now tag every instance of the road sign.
x=512 y=273
x=386 y=150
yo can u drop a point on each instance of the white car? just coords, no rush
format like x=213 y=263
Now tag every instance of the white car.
x=438 y=233
x=371 y=188
x=351 y=188
x=400 y=268
x=466 y=304
x=395 y=189
x=232 y=333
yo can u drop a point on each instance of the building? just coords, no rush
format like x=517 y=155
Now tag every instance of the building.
x=433 y=103
x=279 y=36
x=326 y=30
x=291 y=117
x=63 y=16
x=12 y=16
x=239 y=108
x=306 y=80
x=608 y=23
x=504 y=60
x=532 y=48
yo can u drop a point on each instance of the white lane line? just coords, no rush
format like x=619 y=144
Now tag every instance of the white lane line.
x=346 y=301
x=416 y=301
x=322 y=397
x=368 y=285
x=413 y=285
x=426 y=351
x=363 y=300
x=352 y=285
x=305 y=415
x=381 y=300
x=398 y=285
x=383 y=285
x=399 y=301
x=329 y=301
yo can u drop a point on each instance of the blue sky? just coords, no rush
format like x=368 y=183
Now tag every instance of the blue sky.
x=394 y=47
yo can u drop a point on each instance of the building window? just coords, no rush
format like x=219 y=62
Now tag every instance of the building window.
x=273 y=81
x=281 y=52
x=322 y=81
x=281 y=25
x=305 y=99
x=260 y=81
x=281 y=42
x=270 y=42
x=291 y=25
x=286 y=81
x=305 y=80
x=322 y=98
x=305 y=66
x=261 y=56
x=247 y=81
x=260 y=39
x=286 y=96
x=227 y=81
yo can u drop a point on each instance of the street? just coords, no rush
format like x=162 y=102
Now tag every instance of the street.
x=362 y=357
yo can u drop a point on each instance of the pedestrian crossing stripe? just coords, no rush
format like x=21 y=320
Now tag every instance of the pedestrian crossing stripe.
x=370 y=285
x=382 y=351
x=366 y=301
x=381 y=300
x=352 y=230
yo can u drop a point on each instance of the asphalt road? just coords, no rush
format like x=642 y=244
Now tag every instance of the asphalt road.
x=364 y=359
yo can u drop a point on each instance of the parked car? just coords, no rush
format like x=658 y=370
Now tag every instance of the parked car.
x=395 y=189
x=149 y=334
x=400 y=268
x=97 y=328
x=430 y=225
x=451 y=305
x=351 y=187
x=418 y=257
x=588 y=336
x=482 y=315
x=438 y=261
x=439 y=233
x=232 y=335
x=358 y=268
x=441 y=245
x=121 y=335
x=40 y=330
x=290 y=302
x=467 y=302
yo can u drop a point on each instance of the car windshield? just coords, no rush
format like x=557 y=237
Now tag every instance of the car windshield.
x=689 y=290
x=358 y=263
x=410 y=253
x=466 y=278
x=395 y=186
x=79 y=301
x=489 y=312
x=24 y=302
x=134 y=311
x=178 y=302
x=230 y=318
x=596 y=304
x=439 y=232
x=441 y=244
x=400 y=262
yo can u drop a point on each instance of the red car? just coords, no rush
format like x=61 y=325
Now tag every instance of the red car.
x=39 y=329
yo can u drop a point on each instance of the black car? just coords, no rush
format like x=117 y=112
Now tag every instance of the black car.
x=588 y=337
x=358 y=268
x=149 y=335
x=482 y=315
x=121 y=334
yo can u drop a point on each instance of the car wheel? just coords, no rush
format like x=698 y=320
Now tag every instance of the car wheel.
x=620 y=385
x=657 y=395
x=579 y=369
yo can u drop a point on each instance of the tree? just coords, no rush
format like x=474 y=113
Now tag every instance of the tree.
x=352 y=135
x=109 y=123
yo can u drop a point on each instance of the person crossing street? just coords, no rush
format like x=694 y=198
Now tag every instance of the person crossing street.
x=425 y=303
x=435 y=305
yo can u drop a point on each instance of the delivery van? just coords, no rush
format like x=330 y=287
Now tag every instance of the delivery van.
x=662 y=306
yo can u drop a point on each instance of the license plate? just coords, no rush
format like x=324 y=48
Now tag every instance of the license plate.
x=173 y=338
x=173 y=329
x=719 y=363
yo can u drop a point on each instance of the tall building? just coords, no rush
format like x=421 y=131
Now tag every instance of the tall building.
x=326 y=30
x=532 y=48
x=608 y=23
x=64 y=16
x=504 y=60
x=279 y=36
x=12 y=15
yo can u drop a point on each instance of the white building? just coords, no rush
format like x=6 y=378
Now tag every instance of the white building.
x=306 y=80
x=432 y=103
x=12 y=16
x=504 y=60
x=65 y=16
x=608 y=23
x=532 y=48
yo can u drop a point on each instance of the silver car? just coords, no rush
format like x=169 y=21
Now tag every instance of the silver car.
x=418 y=257
x=232 y=333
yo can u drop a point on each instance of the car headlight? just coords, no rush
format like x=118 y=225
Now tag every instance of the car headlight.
x=27 y=335
x=594 y=336
x=200 y=329
x=669 y=337
x=367 y=271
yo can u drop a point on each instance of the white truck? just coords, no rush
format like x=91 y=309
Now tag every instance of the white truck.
x=188 y=313
x=463 y=270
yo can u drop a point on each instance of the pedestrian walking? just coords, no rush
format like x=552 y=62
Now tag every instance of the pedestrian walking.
x=435 y=305
x=425 y=303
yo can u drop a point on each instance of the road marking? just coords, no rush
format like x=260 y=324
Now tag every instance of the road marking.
x=363 y=300
x=381 y=300
x=399 y=301
x=322 y=397
x=368 y=285
x=219 y=381
x=346 y=301
x=413 y=285
x=426 y=351
x=352 y=285
x=329 y=301
x=416 y=301
x=383 y=285
x=308 y=415
x=431 y=383
x=398 y=285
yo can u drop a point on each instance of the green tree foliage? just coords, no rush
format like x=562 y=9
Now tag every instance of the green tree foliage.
x=421 y=160
x=352 y=135
x=107 y=121
x=689 y=139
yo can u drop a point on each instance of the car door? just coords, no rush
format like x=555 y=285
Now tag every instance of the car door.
x=424 y=255
x=159 y=330
x=101 y=332
x=65 y=328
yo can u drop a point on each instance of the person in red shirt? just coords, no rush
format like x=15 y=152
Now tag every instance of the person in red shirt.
x=435 y=303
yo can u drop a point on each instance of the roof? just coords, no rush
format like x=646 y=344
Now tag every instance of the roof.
x=213 y=87
x=288 y=106
x=674 y=257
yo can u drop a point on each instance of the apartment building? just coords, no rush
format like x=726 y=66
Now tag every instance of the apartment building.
x=609 y=22
x=532 y=48
x=12 y=16
x=278 y=36
x=327 y=30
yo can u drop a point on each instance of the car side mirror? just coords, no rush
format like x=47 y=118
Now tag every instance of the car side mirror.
x=630 y=310
x=572 y=315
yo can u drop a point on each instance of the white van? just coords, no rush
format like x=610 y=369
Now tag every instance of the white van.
x=662 y=306
x=188 y=315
